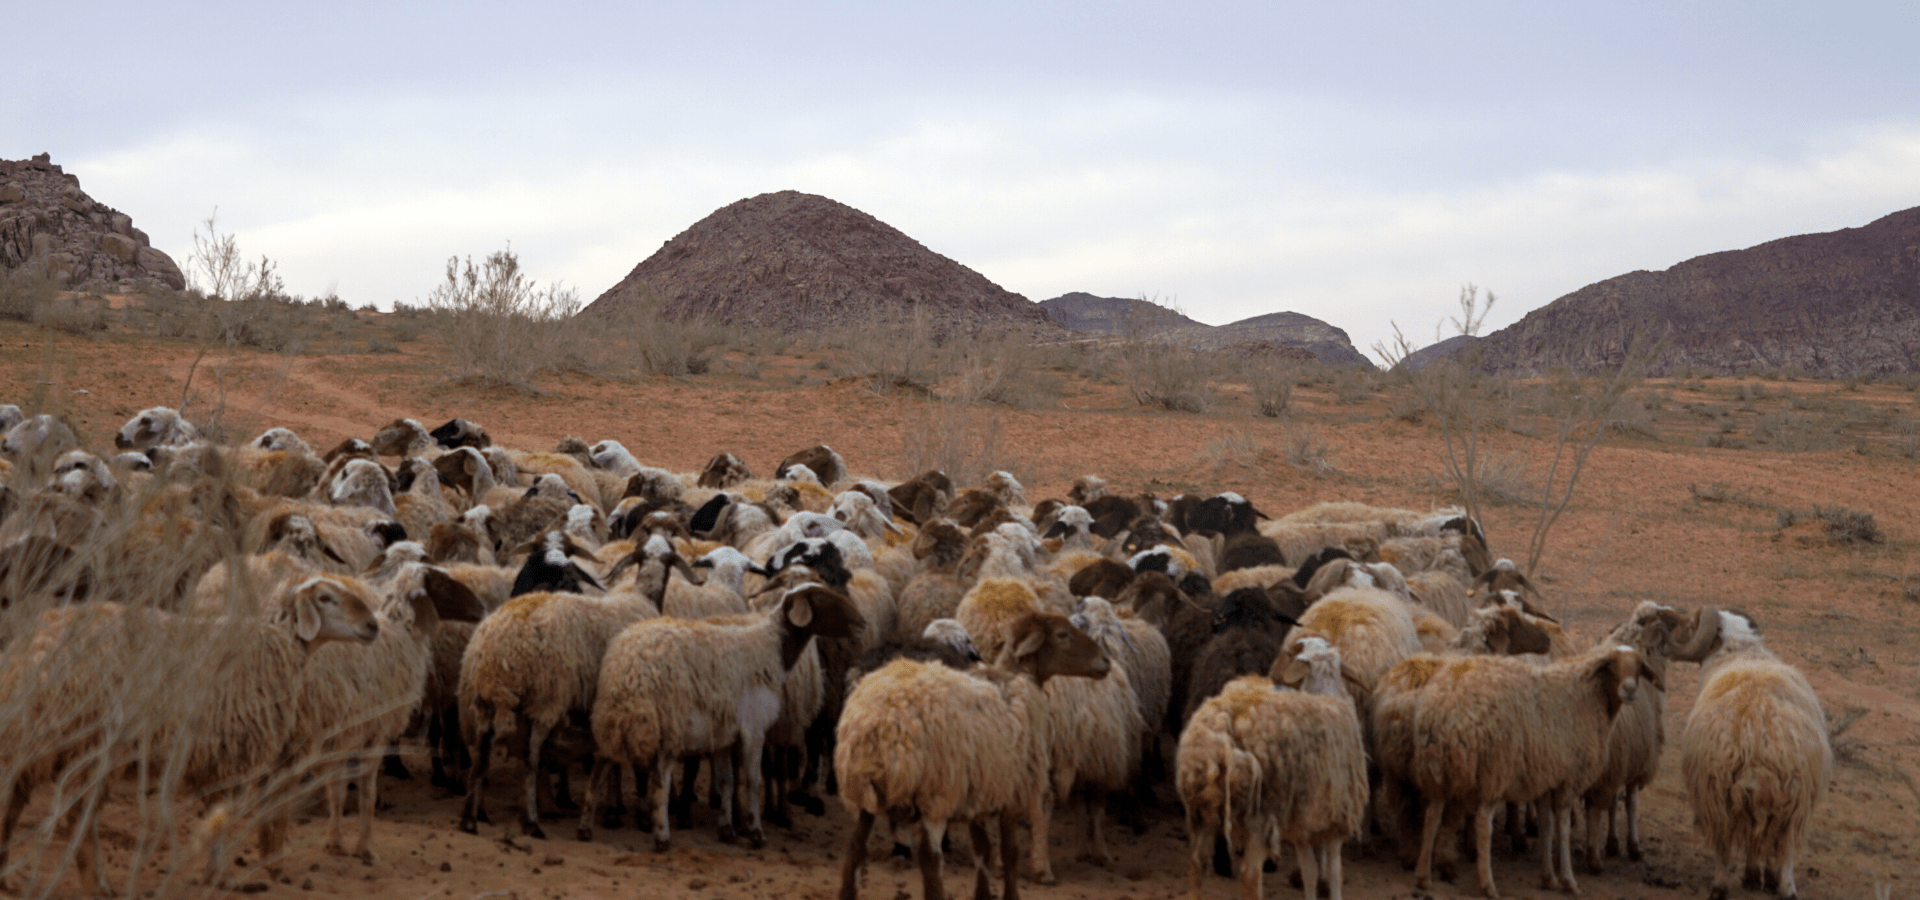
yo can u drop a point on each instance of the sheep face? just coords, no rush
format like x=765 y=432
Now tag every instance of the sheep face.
x=1046 y=645
x=398 y=437
x=723 y=471
x=1617 y=674
x=156 y=427
x=460 y=433
x=324 y=609
x=280 y=440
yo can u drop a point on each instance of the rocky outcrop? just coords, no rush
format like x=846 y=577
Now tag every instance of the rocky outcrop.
x=45 y=219
x=1283 y=331
x=1834 y=304
x=797 y=261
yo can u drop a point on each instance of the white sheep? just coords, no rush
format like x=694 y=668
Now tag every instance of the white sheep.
x=722 y=593
x=537 y=659
x=1755 y=756
x=939 y=745
x=673 y=687
x=158 y=426
x=1494 y=729
x=1290 y=757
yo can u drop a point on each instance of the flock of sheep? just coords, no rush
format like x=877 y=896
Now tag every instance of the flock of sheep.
x=936 y=655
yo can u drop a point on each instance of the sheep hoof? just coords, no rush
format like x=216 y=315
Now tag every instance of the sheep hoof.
x=813 y=805
x=756 y=839
x=1422 y=883
x=334 y=849
x=902 y=851
x=727 y=835
x=1633 y=853
x=532 y=829
x=394 y=768
x=1751 y=879
x=662 y=845
x=1719 y=892
x=365 y=856
x=1045 y=878
x=585 y=834
x=1613 y=846
x=468 y=825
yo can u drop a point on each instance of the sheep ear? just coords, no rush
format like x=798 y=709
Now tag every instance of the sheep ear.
x=452 y=600
x=1028 y=639
x=306 y=615
x=799 y=609
x=1295 y=674
x=425 y=617
x=1497 y=638
x=1652 y=675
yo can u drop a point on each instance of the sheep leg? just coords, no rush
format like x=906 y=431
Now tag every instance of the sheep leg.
x=596 y=783
x=1253 y=864
x=1332 y=868
x=1096 y=832
x=1309 y=870
x=369 y=804
x=1423 y=866
x=1632 y=805
x=530 y=814
x=1592 y=845
x=1202 y=832
x=477 y=783
x=855 y=859
x=751 y=797
x=683 y=804
x=1040 y=817
x=927 y=851
x=18 y=795
x=1723 y=876
x=1483 y=849
x=982 y=859
x=1009 y=860
x=659 y=788
x=336 y=794
x=1562 y=813
x=1785 y=888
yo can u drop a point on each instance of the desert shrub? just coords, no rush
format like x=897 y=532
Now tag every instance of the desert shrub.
x=643 y=339
x=1842 y=525
x=1270 y=384
x=1002 y=366
x=500 y=327
x=898 y=352
x=1307 y=451
x=1352 y=386
x=959 y=438
x=381 y=345
x=78 y=314
x=1750 y=391
x=1236 y=447
x=1793 y=433
x=25 y=291
x=407 y=330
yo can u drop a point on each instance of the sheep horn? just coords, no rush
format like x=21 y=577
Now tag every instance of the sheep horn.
x=1705 y=630
x=687 y=572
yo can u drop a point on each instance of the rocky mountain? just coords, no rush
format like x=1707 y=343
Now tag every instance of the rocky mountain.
x=83 y=243
x=1273 y=331
x=1082 y=311
x=798 y=261
x=1425 y=356
x=1833 y=304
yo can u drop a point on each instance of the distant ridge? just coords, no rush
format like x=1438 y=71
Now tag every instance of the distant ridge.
x=1289 y=330
x=1833 y=304
x=797 y=261
x=45 y=218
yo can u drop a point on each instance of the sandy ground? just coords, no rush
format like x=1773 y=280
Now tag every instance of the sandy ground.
x=1634 y=531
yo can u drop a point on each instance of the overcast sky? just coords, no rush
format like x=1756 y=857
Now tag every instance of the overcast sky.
x=1353 y=161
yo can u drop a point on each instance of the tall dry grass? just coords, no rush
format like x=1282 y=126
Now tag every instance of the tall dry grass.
x=107 y=681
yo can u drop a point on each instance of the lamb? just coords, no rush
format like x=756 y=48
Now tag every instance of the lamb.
x=534 y=512
x=923 y=498
x=1095 y=747
x=406 y=438
x=925 y=743
x=1494 y=729
x=419 y=504
x=1639 y=734
x=672 y=687
x=536 y=660
x=237 y=724
x=468 y=470
x=457 y=433
x=1755 y=756
x=1293 y=760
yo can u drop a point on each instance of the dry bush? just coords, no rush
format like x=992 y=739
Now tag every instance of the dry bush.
x=500 y=328
x=1305 y=450
x=1794 y=433
x=25 y=291
x=108 y=709
x=1351 y=386
x=644 y=341
x=899 y=351
x=1842 y=525
x=957 y=438
x=1001 y=366
x=1270 y=383
x=73 y=314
